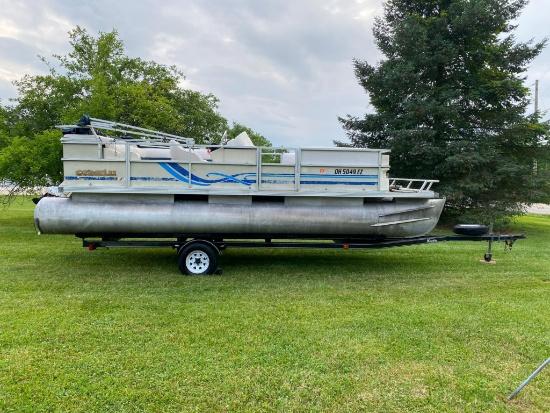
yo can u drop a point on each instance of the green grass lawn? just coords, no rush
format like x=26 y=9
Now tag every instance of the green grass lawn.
x=422 y=328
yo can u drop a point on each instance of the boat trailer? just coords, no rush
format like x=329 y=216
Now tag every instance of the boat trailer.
x=199 y=255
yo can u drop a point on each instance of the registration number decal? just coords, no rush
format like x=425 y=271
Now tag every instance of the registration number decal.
x=348 y=171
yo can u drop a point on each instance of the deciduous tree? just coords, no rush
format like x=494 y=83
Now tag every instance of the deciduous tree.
x=238 y=128
x=97 y=77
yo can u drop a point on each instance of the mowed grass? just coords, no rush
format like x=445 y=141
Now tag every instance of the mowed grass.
x=422 y=328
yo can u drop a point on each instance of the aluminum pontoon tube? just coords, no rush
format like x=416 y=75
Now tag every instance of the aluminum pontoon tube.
x=400 y=218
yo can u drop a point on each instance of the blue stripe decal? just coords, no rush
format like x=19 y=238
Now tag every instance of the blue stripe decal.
x=153 y=179
x=248 y=178
x=321 y=175
x=91 y=178
x=172 y=172
x=281 y=182
x=277 y=182
x=368 y=183
x=182 y=174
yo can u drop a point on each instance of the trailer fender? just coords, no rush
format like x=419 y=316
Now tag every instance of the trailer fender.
x=198 y=241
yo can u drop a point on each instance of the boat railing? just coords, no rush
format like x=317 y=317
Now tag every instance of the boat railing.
x=128 y=159
x=264 y=168
x=411 y=185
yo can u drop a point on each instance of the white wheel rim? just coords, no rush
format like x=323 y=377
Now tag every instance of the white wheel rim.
x=197 y=262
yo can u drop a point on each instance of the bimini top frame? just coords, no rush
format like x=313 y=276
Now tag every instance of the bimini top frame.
x=95 y=124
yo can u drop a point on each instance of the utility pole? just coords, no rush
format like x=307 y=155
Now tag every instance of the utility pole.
x=535 y=161
x=536 y=96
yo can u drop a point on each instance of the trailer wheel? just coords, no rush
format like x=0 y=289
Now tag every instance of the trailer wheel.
x=198 y=258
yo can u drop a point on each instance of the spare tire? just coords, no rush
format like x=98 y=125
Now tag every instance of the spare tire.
x=471 y=229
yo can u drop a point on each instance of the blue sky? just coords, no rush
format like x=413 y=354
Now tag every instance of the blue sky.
x=283 y=68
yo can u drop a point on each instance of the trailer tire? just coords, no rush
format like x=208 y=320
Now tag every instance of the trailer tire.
x=198 y=258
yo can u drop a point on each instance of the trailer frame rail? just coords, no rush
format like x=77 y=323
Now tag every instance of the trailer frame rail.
x=343 y=243
x=208 y=249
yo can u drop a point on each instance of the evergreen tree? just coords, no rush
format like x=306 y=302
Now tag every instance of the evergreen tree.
x=451 y=103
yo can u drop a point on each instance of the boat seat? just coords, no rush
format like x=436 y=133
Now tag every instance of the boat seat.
x=118 y=150
x=179 y=154
x=203 y=153
x=242 y=139
x=240 y=149
x=153 y=153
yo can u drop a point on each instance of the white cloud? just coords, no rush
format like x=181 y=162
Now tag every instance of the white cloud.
x=284 y=68
x=8 y=28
